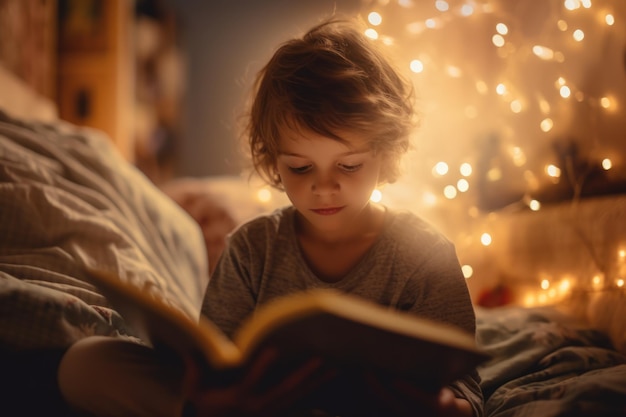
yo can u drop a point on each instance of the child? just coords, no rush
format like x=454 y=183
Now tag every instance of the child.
x=328 y=123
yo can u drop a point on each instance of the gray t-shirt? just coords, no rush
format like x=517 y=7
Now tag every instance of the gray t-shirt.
x=411 y=267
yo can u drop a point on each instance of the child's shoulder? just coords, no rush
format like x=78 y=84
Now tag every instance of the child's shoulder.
x=411 y=230
x=267 y=224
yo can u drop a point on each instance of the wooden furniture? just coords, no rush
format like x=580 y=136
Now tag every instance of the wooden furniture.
x=95 y=67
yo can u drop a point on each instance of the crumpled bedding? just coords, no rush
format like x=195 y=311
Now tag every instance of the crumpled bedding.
x=68 y=202
x=544 y=364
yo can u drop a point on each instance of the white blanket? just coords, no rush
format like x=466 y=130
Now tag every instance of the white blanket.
x=69 y=201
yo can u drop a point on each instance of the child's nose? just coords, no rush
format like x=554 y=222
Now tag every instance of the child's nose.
x=324 y=184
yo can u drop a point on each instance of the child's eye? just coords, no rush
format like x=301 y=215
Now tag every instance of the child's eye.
x=350 y=168
x=300 y=170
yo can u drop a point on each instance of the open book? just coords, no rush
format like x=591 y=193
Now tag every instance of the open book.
x=347 y=331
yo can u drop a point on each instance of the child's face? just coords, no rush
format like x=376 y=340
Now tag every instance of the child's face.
x=328 y=182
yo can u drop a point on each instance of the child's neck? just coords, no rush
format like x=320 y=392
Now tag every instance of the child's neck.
x=333 y=256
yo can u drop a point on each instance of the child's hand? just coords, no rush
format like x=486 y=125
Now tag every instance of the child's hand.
x=404 y=399
x=244 y=399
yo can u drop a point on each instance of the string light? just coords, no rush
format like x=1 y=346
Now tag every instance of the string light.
x=515 y=67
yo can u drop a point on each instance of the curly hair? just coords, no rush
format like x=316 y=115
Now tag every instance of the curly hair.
x=331 y=79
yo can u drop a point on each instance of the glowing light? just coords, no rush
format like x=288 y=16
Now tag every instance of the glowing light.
x=454 y=72
x=481 y=87
x=545 y=284
x=371 y=33
x=494 y=174
x=485 y=239
x=497 y=40
x=449 y=191
x=467 y=10
x=607 y=164
x=578 y=35
x=571 y=4
x=264 y=195
x=516 y=106
x=565 y=285
x=605 y=102
x=597 y=281
x=376 y=196
x=462 y=185
x=620 y=283
x=609 y=19
x=501 y=89
x=442 y=5
x=416 y=66
x=553 y=171
x=562 y=25
x=565 y=91
x=430 y=23
x=543 y=52
x=586 y=3
x=465 y=169
x=467 y=270
x=622 y=253
x=502 y=29
x=375 y=18
x=546 y=125
x=441 y=168
x=429 y=199
x=534 y=205
x=519 y=158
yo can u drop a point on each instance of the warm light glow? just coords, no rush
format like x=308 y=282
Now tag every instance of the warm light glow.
x=501 y=89
x=467 y=10
x=376 y=196
x=597 y=281
x=562 y=25
x=485 y=239
x=609 y=19
x=264 y=195
x=440 y=169
x=605 y=102
x=481 y=87
x=543 y=52
x=565 y=91
x=371 y=33
x=375 y=18
x=518 y=156
x=502 y=29
x=465 y=169
x=454 y=72
x=546 y=125
x=430 y=23
x=620 y=283
x=622 y=253
x=553 y=171
x=468 y=271
x=516 y=106
x=607 y=164
x=449 y=191
x=534 y=205
x=442 y=5
x=545 y=284
x=429 y=199
x=416 y=66
x=578 y=35
x=462 y=185
x=494 y=174
x=497 y=40
x=571 y=4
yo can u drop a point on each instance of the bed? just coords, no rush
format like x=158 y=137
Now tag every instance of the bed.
x=69 y=201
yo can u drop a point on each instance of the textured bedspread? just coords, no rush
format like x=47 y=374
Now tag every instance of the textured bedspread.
x=68 y=201
x=546 y=365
